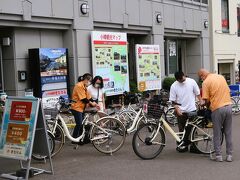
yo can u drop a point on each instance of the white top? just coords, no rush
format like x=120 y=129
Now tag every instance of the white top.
x=185 y=94
x=94 y=93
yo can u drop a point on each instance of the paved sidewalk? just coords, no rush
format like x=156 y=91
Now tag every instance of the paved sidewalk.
x=87 y=163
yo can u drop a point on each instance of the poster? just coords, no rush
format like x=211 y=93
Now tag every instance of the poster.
x=54 y=72
x=148 y=67
x=110 y=60
x=172 y=48
x=18 y=127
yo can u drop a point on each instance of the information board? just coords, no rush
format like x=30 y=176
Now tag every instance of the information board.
x=148 y=67
x=18 y=127
x=110 y=60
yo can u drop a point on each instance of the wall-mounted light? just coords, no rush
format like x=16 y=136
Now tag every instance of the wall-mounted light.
x=205 y=24
x=159 y=18
x=84 y=8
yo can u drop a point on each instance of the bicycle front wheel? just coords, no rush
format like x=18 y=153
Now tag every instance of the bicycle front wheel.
x=170 y=116
x=108 y=135
x=148 y=142
x=59 y=136
x=51 y=141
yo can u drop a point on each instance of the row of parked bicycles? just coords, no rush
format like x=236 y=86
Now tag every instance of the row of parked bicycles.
x=148 y=121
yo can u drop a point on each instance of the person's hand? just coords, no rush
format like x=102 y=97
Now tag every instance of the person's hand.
x=178 y=111
x=94 y=104
x=202 y=103
x=98 y=107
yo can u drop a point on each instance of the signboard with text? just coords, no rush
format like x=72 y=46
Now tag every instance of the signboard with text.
x=18 y=127
x=148 y=67
x=49 y=72
x=110 y=60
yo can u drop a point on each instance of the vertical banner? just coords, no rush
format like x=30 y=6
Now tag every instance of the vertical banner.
x=54 y=75
x=148 y=67
x=18 y=127
x=110 y=60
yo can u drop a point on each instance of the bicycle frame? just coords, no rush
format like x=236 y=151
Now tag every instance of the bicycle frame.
x=85 y=122
x=177 y=135
x=135 y=122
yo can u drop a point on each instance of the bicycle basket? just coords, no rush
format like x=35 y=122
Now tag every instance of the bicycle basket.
x=51 y=112
x=154 y=110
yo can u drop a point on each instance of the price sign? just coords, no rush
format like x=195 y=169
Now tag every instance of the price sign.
x=18 y=128
x=17 y=133
x=20 y=111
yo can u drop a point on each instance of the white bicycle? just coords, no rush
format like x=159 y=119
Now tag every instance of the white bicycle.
x=107 y=134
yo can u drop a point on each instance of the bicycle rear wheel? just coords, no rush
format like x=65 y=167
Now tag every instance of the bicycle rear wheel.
x=110 y=141
x=202 y=139
x=147 y=142
x=51 y=142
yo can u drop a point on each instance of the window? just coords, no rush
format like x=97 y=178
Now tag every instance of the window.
x=225 y=16
x=205 y=1
x=173 y=61
x=238 y=20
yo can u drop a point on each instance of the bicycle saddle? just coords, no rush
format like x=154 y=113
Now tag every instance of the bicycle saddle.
x=191 y=114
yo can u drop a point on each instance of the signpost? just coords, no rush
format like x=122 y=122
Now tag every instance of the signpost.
x=22 y=118
x=110 y=60
x=148 y=67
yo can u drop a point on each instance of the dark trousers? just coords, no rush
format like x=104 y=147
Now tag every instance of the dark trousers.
x=78 y=116
x=181 y=125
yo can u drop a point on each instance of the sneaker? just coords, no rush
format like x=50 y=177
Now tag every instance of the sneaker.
x=229 y=158
x=217 y=158
x=182 y=149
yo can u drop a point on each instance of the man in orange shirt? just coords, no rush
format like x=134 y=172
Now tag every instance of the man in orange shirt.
x=82 y=98
x=217 y=93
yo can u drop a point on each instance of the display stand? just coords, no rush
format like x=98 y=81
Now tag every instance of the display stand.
x=24 y=132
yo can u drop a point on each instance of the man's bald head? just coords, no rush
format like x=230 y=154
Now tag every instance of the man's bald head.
x=202 y=73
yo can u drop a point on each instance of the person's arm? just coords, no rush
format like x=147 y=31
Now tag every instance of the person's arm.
x=173 y=99
x=103 y=101
x=196 y=91
x=205 y=95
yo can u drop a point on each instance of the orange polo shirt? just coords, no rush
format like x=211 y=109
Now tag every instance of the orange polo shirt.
x=216 y=90
x=79 y=93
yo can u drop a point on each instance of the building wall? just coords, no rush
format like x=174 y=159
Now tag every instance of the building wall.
x=224 y=45
x=59 y=23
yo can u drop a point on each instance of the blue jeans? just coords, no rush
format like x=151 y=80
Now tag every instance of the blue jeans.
x=78 y=116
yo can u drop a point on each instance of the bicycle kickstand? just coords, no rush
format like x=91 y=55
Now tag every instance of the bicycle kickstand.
x=76 y=147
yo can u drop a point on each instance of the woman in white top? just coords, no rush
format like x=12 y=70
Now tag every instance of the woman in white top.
x=96 y=91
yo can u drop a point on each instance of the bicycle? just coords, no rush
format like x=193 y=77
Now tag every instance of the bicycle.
x=235 y=99
x=107 y=134
x=152 y=138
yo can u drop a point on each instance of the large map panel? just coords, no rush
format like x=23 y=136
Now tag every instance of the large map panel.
x=109 y=52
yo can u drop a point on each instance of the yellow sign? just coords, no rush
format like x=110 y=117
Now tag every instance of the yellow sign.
x=142 y=86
